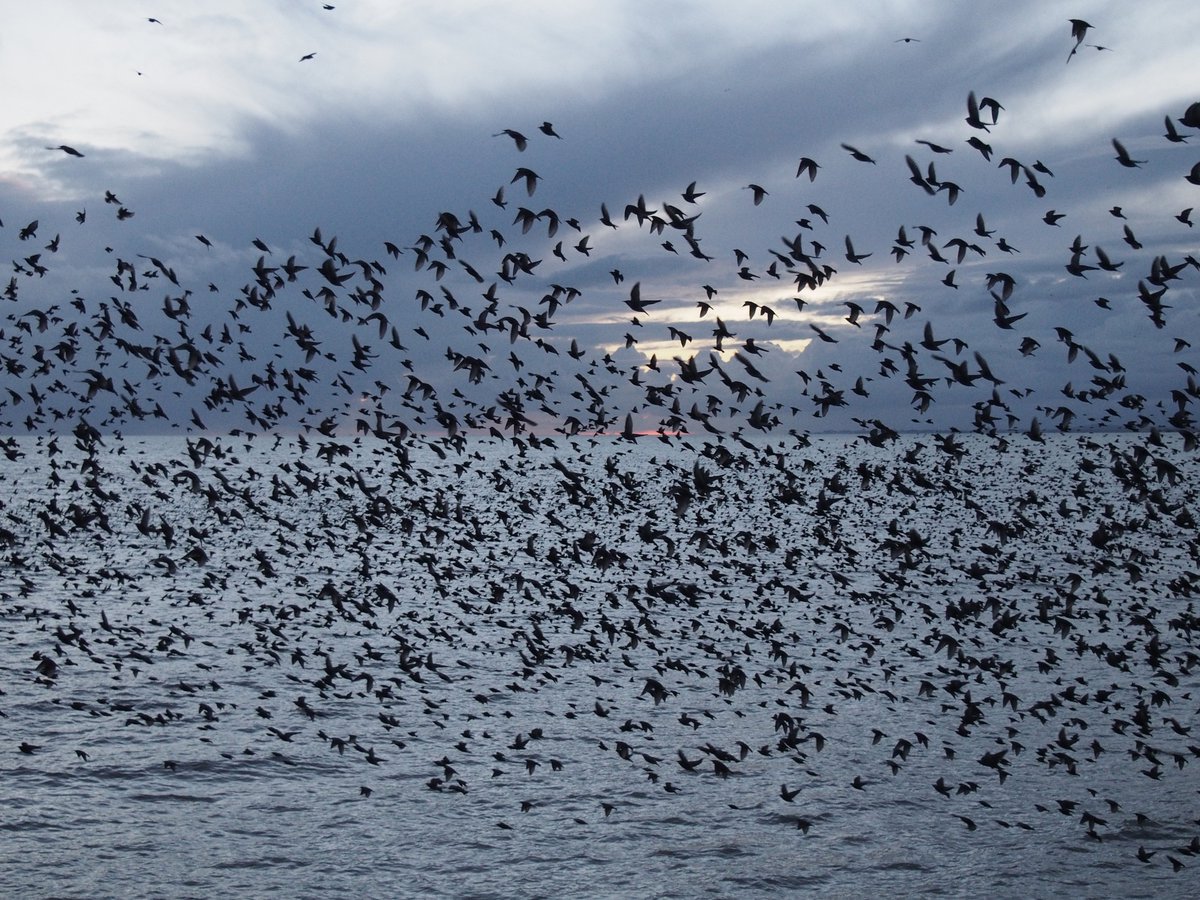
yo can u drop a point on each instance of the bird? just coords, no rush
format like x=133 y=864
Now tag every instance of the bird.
x=1172 y=134
x=1079 y=30
x=974 y=108
x=985 y=150
x=936 y=148
x=858 y=154
x=529 y=177
x=635 y=301
x=70 y=151
x=1123 y=156
x=807 y=166
x=853 y=257
x=518 y=139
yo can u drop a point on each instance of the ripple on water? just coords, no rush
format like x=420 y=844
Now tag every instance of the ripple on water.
x=235 y=818
x=173 y=797
x=263 y=862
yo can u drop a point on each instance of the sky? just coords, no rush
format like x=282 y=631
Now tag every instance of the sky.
x=244 y=122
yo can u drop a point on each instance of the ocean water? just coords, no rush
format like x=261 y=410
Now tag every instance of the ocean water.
x=946 y=666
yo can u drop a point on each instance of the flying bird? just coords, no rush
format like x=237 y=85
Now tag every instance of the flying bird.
x=973 y=109
x=808 y=165
x=936 y=148
x=519 y=139
x=858 y=154
x=530 y=177
x=759 y=192
x=1172 y=134
x=1079 y=30
x=635 y=301
x=1123 y=156
x=853 y=257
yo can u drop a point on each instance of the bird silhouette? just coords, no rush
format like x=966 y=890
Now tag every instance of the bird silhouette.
x=518 y=139
x=758 y=191
x=1079 y=30
x=858 y=154
x=1123 y=156
x=807 y=166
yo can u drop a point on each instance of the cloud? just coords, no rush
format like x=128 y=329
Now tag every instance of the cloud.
x=226 y=133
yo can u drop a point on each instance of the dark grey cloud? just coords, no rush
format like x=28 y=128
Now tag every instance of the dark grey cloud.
x=727 y=110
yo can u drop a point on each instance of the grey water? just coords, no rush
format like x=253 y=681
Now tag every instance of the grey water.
x=248 y=667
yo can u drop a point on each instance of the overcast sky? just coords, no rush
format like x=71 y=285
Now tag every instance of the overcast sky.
x=266 y=120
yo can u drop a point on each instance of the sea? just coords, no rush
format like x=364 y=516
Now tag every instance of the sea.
x=829 y=665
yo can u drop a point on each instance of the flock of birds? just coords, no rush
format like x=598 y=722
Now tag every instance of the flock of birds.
x=491 y=521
